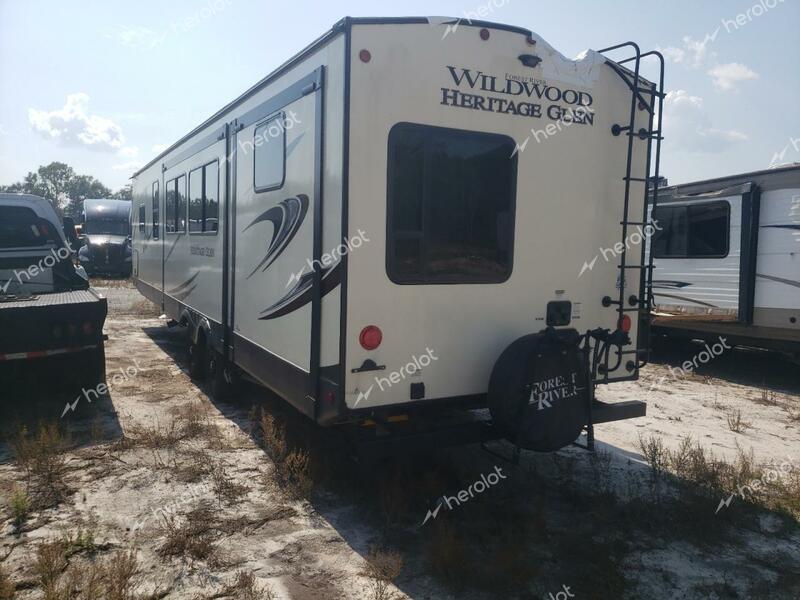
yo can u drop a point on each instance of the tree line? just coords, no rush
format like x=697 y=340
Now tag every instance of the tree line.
x=65 y=189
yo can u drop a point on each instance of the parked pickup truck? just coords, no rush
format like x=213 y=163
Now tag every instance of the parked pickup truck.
x=49 y=314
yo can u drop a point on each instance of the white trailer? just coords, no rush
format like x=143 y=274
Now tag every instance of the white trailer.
x=727 y=259
x=395 y=221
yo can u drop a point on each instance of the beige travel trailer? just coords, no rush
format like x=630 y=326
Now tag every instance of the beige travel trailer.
x=393 y=224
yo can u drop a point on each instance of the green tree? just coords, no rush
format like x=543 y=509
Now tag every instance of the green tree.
x=124 y=193
x=81 y=187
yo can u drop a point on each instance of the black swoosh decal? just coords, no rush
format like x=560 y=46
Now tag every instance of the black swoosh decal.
x=779 y=279
x=293 y=144
x=301 y=293
x=686 y=300
x=286 y=219
x=670 y=284
x=186 y=283
x=184 y=294
x=781 y=226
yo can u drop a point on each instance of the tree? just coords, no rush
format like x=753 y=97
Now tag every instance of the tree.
x=124 y=193
x=58 y=183
x=81 y=187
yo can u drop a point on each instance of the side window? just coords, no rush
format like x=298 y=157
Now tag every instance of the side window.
x=175 y=205
x=142 y=217
x=693 y=231
x=204 y=199
x=169 y=206
x=451 y=199
x=155 y=210
x=269 y=154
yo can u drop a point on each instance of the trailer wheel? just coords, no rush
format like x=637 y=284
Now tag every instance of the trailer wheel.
x=225 y=381
x=198 y=358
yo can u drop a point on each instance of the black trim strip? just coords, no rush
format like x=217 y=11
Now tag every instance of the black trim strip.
x=316 y=290
x=787 y=226
x=748 y=253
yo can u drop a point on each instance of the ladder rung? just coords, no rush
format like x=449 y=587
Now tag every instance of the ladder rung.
x=631 y=309
x=633 y=267
x=642 y=179
x=634 y=223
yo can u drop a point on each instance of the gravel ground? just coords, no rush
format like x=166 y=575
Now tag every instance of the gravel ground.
x=203 y=501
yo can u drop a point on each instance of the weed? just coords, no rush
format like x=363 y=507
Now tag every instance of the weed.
x=226 y=490
x=245 y=587
x=6 y=585
x=735 y=422
x=42 y=458
x=382 y=568
x=20 y=507
x=193 y=536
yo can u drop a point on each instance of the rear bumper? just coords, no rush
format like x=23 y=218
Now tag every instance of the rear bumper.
x=46 y=353
x=604 y=412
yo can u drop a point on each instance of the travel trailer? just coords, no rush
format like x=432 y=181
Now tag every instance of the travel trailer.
x=398 y=221
x=727 y=260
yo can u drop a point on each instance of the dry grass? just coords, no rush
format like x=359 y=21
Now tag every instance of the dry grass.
x=191 y=536
x=42 y=457
x=735 y=422
x=20 y=506
x=382 y=568
x=245 y=587
x=6 y=585
x=110 y=579
x=292 y=466
x=226 y=489
x=700 y=472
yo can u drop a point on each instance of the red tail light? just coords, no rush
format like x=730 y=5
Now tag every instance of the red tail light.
x=370 y=337
x=625 y=323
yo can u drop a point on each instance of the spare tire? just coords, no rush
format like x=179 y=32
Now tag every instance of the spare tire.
x=539 y=390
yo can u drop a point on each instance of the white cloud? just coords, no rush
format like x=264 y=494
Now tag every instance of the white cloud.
x=128 y=166
x=688 y=127
x=129 y=151
x=159 y=148
x=673 y=54
x=72 y=125
x=727 y=76
x=136 y=37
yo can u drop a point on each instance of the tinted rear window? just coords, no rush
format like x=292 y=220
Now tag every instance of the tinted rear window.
x=21 y=228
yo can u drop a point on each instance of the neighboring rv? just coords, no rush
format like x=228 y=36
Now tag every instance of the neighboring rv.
x=727 y=259
x=106 y=234
x=394 y=222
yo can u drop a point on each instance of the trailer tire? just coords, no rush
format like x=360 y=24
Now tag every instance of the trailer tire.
x=198 y=358
x=225 y=381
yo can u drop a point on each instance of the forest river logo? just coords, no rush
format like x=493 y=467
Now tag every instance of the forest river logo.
x=561 y=387
x=512 y=95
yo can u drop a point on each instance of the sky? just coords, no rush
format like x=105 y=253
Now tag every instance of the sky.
x=105 y=85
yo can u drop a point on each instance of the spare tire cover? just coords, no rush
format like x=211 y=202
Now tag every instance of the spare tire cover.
x=539 y=392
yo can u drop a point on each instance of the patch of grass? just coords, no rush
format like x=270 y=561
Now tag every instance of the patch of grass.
x=42 y=457
x=226 y=490
x=245 y=587
x=81 y=542
x=20 y=505
x=382 y=568
x=50 y=564
x=7 y=586
x=191 y=536
x=292 y=466
x=735 y=422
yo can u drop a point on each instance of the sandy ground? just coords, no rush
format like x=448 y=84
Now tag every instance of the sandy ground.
x=570 y=523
